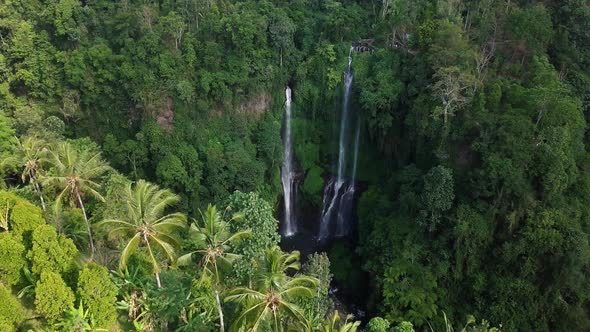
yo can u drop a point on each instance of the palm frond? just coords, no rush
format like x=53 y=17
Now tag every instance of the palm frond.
x=129 y=250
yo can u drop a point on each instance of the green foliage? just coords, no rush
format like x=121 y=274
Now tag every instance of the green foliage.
x=213 y=241
x=257 y=215
x=75 y=319
x=475 y=161
x=6 y=136
x=5 y=325
x=98 y=294
x=24 y=217
x=343 y=264
x=272 y=297
x=11 y=310
x=437 y=197
x=334 y=324
x=12 y=259
x=145 y=222
x=313 y=184
x=532 y=27
x=51 y=252
x=52 y=296
x=404 y=327
x=416 y=301
x=379 y=93
x=316 y=308
x=167 y=304
x=378 y=324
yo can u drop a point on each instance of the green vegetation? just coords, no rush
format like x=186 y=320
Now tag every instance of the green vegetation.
x=142 y=140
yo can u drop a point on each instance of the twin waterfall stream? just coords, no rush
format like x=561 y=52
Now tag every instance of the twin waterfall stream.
x=336 y=219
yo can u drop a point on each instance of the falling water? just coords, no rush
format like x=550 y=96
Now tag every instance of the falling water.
x=357 y=140
x=343 y=226
x=338 y=194
x=287 y=173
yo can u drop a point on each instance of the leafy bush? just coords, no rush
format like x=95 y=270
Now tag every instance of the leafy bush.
x=98 y=294
x=52 y=296
x=258 y=217
x=378 y=324
x=23 y=215
x=11 y=310
x=11 y=259
x=51 y=252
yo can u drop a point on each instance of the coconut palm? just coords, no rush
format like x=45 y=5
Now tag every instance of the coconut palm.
x=333 y=324
x=271 y=301
x=30 y=156
x=145 y=223
x=213 y=239
x=74 y=173
x=272 y=272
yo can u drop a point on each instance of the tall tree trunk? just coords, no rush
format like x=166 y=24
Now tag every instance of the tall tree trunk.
x=158 y=280
x=92 y=249
x=38 y=190
x=156 y=268
x=221 y=325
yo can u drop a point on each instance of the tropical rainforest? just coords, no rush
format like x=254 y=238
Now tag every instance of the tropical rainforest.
x=143 y=159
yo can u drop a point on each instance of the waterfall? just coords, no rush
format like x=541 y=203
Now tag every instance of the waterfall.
x=357 y=139
x=339 y=193
x=287 y=172
x=343 y=227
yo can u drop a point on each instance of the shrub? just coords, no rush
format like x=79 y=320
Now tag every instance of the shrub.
x=24 y=216
x=377 y=324
x=11 y=259
x=52 y=296
x=51 y=252
x=98 y=294
x=11 y=310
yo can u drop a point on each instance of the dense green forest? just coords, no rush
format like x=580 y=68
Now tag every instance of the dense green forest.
x=141 y=146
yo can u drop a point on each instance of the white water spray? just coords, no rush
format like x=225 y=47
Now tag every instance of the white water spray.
x=287 y=172
x=338 y=194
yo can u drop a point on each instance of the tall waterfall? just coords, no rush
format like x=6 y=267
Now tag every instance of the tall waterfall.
x=339 y=192
x=287 y=172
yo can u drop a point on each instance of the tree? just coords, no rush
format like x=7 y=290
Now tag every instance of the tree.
x=409 y=292
x=333 y=324
x=214 y=241
x=281 y=30
x=404 y=327
x=75 y=319
x=75 y=173
x=377 y=324
x=98 y=294
x=51 y=252
x=271 y=300
x=30 y=156
x=145 y=222
x=52 y=296
x=317 y=307
x=257 y=215
x=6 y=136
x=19 y=216
x=437 y=196
x=452 y=88
x=12 y=259
x=12 y=311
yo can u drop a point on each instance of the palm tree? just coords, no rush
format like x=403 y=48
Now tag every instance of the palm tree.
x=30 y=156
x=271 y=301
x=332 y=324
x=74 y=173
x=145 y=223
x=213 y=239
